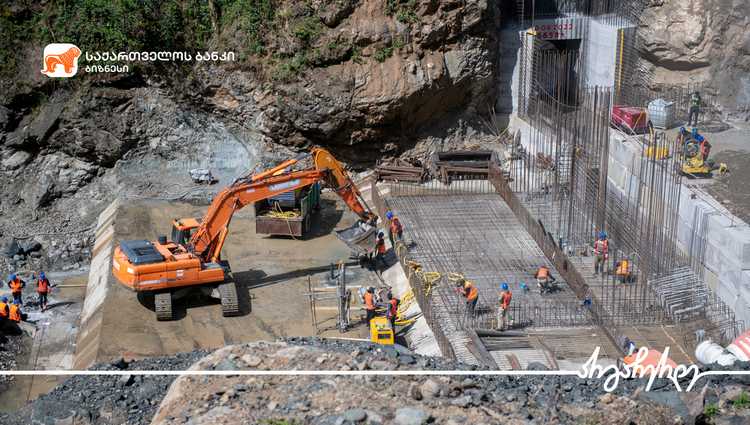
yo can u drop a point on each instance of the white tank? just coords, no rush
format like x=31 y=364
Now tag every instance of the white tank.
x=741 y=347
x=709 y=352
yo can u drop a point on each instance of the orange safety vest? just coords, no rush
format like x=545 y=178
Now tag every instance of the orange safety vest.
x=601 y=246
x=15 y=286
x=395 y=225
x=15 y=313
x=623 y=268
x=542 y=273
x=42 y=286
x=380 y=246
x=3 y=309
x=471 y=291
x=369 y=304
x=505 y=299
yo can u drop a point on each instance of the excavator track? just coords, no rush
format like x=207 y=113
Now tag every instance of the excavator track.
x=229 y=303
x=163 y=306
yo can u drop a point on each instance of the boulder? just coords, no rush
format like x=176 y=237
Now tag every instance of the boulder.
x=11 y=248
x=16 y=160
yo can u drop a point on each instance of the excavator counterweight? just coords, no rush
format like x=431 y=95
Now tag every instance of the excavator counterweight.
x=192 y=257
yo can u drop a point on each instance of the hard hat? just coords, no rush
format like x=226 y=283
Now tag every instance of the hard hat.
x=371 y=289
x=381 y=234
x=699 y=138
x=683 y=130
x=602 y=235
x=17 y=302
x=694 y=131
x=13 y=276
x=504 y=286
x=42 y=275
x=5 y=299
x=389 y=215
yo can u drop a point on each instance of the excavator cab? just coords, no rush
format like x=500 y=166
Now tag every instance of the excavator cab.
x=183 y=229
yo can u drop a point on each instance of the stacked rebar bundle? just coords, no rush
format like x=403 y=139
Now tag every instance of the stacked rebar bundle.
x=401 y=171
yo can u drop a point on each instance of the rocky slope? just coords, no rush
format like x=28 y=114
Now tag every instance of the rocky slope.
x=364 y=77
x=401 y=400
x=704 y=42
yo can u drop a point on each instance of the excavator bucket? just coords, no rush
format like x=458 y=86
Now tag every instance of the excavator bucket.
x=360 y=237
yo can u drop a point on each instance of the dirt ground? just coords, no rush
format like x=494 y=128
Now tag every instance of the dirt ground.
x=272 y=272
x=732 y=190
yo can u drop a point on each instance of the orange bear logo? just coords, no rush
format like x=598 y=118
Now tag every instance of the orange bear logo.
x=61 y=55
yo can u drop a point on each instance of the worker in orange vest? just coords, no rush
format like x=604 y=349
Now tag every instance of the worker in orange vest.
x=14 y=312
x=622 y=270
x=43 y=288
x=380 y=253
x=601 y=252
x=392 y=312
x=395 y=229
x=370 y=304
x=544 y=279
x=4 y=308
x=502 y=312
x=16 y=286
x=469 y=291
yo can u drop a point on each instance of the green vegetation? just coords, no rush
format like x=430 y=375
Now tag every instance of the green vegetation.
x=710 y=410
x=254 y=17
x=742 y=401
x=308 y=29
x=405 y=11
x=289 y=69
x=357 y=55
x=382 y=54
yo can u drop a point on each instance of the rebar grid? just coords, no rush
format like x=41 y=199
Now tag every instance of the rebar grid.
x=479 y=237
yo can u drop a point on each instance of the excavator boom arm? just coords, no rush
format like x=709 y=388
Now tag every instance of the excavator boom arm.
x=209 y=238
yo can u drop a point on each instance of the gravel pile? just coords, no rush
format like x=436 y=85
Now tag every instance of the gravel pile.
x=12 y=348
x=105 y=399
x=341 y=400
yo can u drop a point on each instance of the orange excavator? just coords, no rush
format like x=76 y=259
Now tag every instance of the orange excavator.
x=192 y=257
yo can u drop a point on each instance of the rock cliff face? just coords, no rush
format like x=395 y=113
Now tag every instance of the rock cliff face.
x=702 y=41
x=365 y=78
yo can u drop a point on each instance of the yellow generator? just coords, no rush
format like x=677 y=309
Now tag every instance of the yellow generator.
x=381 y=331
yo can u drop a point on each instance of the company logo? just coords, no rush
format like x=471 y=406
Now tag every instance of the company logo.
x=61 y=60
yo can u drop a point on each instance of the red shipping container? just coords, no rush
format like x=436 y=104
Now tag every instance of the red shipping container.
x=630 y=119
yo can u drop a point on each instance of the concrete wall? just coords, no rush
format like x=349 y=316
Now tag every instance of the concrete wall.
x=600 y=51
x=705 y=230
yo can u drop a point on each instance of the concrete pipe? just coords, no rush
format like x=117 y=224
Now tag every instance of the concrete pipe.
x=709 y=352
x=741 y=347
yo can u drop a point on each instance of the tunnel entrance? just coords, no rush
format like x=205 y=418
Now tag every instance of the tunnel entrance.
x=557 y=68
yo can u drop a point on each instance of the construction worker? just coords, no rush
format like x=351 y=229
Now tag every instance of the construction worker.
x=392 y=311
x=370 y=304
x=4 y=308
x=695 y=108
x=16 y=286
x=705 y=147
x=42 y=288
x=601 y=252
x=469 y=291
x=14 y=311
x=544 y=279
x=622 y=270
x=502 y=312
x=380 y=252
x=394 y=229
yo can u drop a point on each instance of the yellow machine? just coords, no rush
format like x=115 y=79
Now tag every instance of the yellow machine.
x=381 y=331
x=694 y=158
